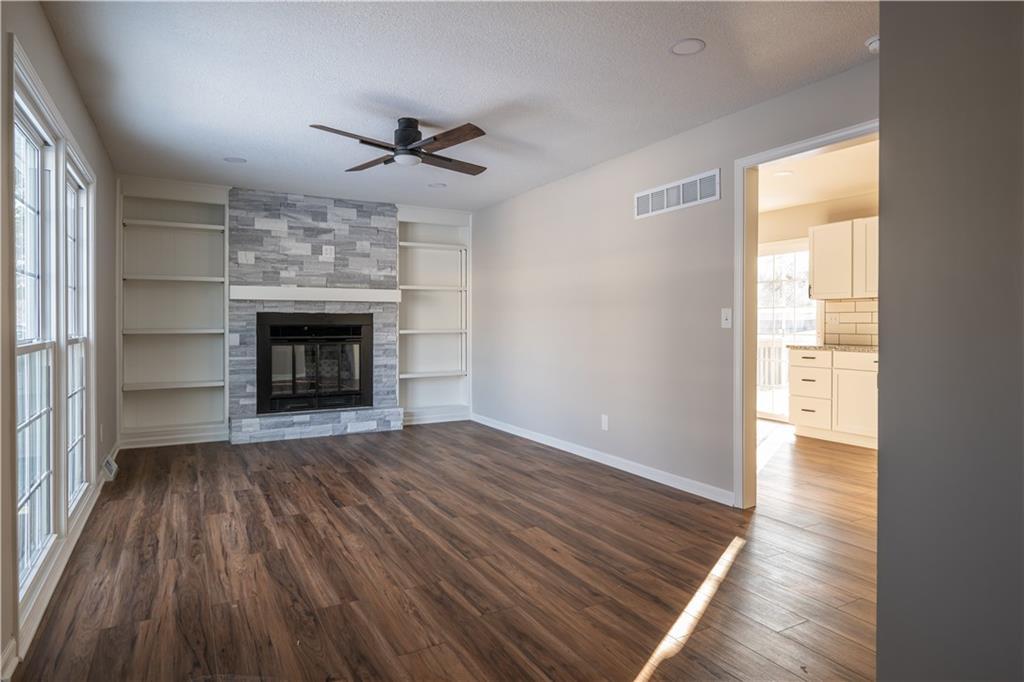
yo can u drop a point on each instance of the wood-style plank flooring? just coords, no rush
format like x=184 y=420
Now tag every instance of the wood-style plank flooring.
x=457 y=552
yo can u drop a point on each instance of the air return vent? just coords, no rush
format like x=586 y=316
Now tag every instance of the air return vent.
x=691 y=191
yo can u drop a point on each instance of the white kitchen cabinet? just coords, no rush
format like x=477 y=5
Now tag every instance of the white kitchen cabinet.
x=833 y=395
x=831 y=260
x=865 y=258
x=855 y=402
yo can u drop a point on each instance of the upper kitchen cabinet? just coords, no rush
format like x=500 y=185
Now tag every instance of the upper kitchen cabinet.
x=844 y=259
x=865 y=258
x=831 y=248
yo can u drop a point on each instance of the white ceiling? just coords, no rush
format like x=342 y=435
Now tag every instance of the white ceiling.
x=558 y=87
x=844 y=172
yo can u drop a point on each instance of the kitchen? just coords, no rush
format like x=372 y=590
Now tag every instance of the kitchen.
x=818 y=327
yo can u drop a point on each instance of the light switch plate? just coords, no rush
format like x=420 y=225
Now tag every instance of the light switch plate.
x=726 y=318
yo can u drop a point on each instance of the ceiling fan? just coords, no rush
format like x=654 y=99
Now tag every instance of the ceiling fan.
x=411 y=148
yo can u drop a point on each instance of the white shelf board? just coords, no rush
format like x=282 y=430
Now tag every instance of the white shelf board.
x=433 y=245
x=171 y=331
x=173 y=225
x=432 y=375
x=174 y=278
x=162 y=385
x=431 y=331
x=422 y=287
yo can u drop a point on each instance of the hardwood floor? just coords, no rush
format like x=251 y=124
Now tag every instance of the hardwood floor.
x=455 y=551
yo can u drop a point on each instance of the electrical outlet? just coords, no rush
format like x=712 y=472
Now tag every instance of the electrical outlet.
x=604 y=422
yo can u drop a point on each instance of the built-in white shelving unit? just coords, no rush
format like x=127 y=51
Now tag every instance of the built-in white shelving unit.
x=172 y=312
x=434 y=329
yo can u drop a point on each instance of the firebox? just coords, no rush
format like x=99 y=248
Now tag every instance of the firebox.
x=313 y=361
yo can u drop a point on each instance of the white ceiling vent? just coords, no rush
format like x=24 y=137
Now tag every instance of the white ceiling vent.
x=698 y=189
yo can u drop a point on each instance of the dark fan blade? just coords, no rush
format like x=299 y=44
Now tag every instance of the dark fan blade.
x=381 y=160
x=452 y=164
x=449 y=138
x=363 y=140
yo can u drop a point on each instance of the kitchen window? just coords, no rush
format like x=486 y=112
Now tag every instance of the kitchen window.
x=785 y=315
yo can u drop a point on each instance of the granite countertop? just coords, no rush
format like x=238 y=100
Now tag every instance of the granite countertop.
x=847 y=349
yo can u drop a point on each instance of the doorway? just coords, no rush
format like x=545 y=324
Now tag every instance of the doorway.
x=775 y=308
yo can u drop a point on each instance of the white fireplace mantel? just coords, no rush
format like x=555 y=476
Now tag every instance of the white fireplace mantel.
x=286 y=293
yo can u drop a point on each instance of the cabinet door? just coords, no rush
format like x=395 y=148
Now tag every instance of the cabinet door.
x=855 y=402
x=865 y=258
x=831 y=249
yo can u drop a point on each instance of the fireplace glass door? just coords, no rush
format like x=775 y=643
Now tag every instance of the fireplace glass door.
x=305 y=366
x=314 y=375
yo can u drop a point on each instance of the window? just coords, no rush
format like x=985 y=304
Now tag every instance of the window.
x=33 y=225
x=785 y=315
x=52 y=218
x=75 y=310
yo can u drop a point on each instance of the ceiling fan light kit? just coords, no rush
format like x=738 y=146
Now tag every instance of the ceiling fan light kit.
x=411 y=148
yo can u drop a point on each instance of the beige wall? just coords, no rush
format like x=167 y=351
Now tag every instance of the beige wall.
x=795 y=221
x=580 y=310
x=28 y=23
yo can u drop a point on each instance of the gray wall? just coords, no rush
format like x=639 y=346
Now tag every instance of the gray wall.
x=950 y=401
x=580 y=310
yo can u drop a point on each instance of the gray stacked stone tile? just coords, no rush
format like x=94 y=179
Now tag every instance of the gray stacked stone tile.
x=282 y=239
x=286 y=240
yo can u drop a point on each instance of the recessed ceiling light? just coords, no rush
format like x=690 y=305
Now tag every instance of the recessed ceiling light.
x=688 y=46
x=437 y=185
x=235 y=159
x=783 y=173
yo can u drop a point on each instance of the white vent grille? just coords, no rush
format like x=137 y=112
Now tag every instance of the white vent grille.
x=698 y=189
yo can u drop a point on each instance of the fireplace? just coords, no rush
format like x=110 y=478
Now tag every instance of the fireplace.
x=313 y=361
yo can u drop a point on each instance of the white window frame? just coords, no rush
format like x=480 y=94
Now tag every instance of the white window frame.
x=31 y=99
x=74 y=179
x=27 y=118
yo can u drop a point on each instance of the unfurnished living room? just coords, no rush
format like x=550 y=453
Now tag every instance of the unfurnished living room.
x=511 y=341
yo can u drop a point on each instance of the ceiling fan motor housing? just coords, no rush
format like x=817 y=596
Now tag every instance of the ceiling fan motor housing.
x=407 y=133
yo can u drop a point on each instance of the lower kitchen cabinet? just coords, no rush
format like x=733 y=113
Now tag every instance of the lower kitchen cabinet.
x=855 y=402
x=833 y=395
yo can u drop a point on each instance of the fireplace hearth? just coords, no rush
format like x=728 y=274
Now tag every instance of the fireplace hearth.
x=313 y=361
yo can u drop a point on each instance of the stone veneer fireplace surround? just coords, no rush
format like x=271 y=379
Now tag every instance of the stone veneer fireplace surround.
x=321 y=249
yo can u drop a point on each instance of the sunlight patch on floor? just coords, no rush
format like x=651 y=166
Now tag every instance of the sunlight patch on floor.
x=675 y=639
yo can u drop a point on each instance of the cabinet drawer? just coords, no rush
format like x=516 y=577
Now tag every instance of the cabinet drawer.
x=810 y=412
x=811 y=382
x=810 y=358
x=855 y=360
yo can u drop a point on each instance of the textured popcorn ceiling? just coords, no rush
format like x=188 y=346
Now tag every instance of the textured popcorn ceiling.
x=559 y=87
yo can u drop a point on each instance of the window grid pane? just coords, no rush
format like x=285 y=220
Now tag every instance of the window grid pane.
x=73 y=228
x=76 y=422
x=34 y=463
x=27 y=237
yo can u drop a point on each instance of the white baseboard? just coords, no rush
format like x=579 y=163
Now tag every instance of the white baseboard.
x=156 y=439
x=8 y=659
x=436 y=415
x=688 y=485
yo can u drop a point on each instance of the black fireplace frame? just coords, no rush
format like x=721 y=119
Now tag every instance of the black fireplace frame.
x=363 y=398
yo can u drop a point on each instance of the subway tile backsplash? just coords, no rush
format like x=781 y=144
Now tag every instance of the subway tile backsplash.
x=852 y=322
